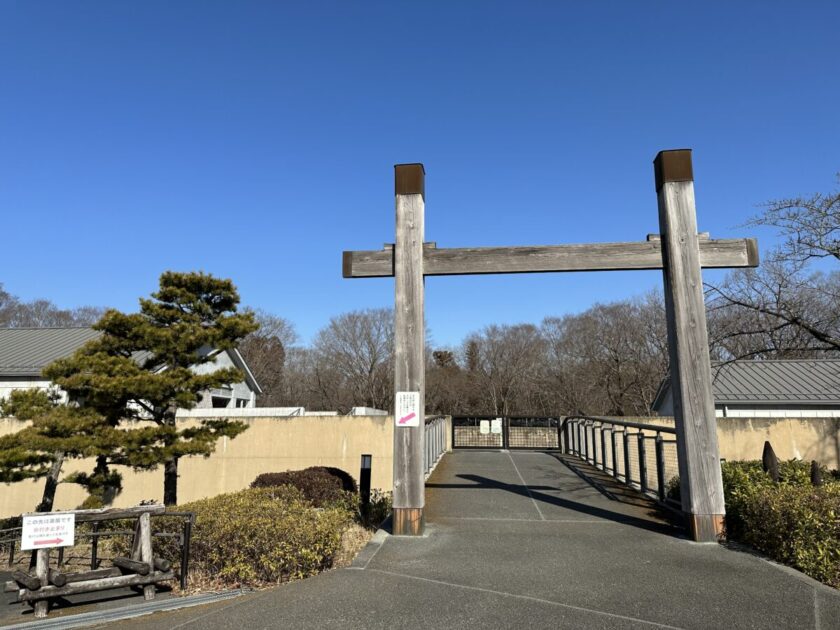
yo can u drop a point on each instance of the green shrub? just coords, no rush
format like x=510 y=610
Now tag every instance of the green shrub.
x=794 y=524
x=322 y=485
x=792 y=521
x=255 y=537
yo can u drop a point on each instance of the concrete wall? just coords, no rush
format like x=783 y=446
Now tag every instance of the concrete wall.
x=269 y=445
x=792 y=438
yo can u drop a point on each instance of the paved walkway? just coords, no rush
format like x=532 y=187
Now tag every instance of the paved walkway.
x=520 y=540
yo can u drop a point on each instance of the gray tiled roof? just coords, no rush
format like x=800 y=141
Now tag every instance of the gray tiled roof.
x=27 y=351
x=786 y=382
x=767 y=382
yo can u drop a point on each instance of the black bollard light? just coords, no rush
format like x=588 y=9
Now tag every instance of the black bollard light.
x=364 y=484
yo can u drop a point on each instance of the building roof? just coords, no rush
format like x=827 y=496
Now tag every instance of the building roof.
x=25 y=352
x=769 y=382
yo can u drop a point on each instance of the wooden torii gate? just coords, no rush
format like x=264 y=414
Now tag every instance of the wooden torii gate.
x=678 y=250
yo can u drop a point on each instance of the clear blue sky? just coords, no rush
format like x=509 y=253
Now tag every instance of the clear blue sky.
x=255 y=140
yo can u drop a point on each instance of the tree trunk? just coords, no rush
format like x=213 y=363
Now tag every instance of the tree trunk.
x=51 y=484
x=170 y=482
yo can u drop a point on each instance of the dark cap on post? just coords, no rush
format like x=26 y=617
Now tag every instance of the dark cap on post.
x=673 y=166
x=409 y=179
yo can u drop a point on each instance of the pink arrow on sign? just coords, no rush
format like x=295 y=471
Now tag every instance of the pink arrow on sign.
x=54 y=541
x=405 y=419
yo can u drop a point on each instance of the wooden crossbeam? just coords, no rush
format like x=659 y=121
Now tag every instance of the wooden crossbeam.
x=714 y=254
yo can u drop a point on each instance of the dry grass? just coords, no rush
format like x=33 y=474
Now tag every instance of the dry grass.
x=353 y=540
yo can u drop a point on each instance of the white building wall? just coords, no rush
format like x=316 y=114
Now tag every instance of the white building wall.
x=238 y=391
x=8 y=386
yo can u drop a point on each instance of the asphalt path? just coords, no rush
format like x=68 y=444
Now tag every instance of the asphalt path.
x=527 y=539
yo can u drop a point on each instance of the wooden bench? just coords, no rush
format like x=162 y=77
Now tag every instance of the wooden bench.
x=141 y=569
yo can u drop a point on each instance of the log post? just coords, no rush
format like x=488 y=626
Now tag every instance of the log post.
x=701 y=485
x=42 y=572
x=409 y=334
x=146 y=551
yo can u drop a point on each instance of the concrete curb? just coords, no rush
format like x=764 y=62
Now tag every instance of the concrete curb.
x=98 y=617
x=363 y=558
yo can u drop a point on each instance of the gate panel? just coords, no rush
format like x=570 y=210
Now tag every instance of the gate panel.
x=477 y=432
x=535 y=433
x=521 y=432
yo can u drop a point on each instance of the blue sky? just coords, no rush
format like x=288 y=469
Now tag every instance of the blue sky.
x=255 y=140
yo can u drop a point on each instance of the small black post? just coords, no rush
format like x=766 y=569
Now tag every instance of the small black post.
x=660 y=466
x=12 y=552
x=614 y=460
x=816 y=474
x=185 y=551
x=642 y=462
x=94 y=546
x=594 y=447
x=505 y=433
x=60 y=557
x=364 y=484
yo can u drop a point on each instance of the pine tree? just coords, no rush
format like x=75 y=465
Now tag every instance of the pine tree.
x=142 y=369
x=55 y=432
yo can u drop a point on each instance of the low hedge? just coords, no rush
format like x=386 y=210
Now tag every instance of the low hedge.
x=256 y=537
x=792 y=521
x=322 y=485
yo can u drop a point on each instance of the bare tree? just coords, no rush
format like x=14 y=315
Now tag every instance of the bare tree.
x=41 y=313
x=508 y=362
x=265 y=352
x=355 y=355
x=785 y=308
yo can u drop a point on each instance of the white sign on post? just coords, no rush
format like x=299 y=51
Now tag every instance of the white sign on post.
x=407 y=409
x=496 y=426
x=51 y=529
x=484 y=427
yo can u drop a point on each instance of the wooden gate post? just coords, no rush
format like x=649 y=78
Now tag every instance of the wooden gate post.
x=409 y=336
x=701 y=486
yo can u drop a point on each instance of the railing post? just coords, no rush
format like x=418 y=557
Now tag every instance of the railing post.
x=642 y=462
x=94 y=546
x=615 y=465
x=626 y=440
x=594 y=447
x=185 y=552
x=585 y=442
x=580 y=441
x=660 y=466
x=603 y=449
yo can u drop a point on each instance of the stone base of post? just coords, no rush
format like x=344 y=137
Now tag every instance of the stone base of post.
x=408 y=522
x=706 y=527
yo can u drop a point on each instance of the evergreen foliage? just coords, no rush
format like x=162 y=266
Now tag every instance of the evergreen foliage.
x=126 y=386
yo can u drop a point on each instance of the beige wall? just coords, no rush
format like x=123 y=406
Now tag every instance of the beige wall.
x=792 y=438
x=269 y=445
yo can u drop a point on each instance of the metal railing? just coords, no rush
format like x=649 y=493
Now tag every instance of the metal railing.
x=10 y=541
x=434 y=443
x=643 y=456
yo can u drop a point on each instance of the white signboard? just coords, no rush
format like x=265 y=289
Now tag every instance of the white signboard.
x=496 y=426
x=484 y=427
x=407 y=409
x=51 y=529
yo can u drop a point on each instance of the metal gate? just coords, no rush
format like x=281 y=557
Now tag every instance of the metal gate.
x=513 y=432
